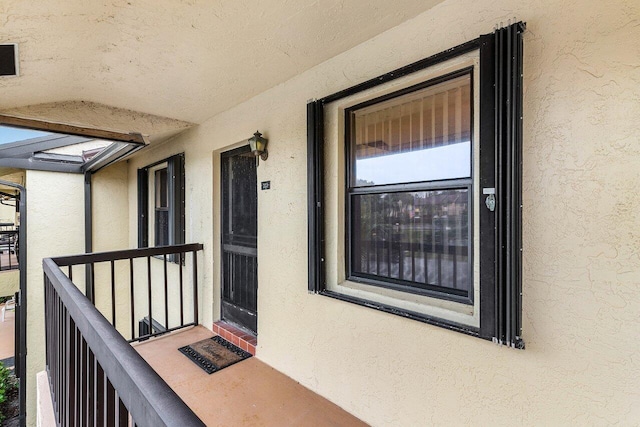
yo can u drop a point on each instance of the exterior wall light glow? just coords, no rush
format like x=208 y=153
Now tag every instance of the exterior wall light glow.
x=258 y=146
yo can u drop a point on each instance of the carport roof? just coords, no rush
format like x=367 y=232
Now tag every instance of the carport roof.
x=77 y=152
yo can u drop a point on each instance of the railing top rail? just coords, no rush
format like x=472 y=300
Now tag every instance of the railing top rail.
x=150 y=401
x=125 y=254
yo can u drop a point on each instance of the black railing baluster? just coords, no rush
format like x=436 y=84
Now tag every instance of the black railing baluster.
x=64 y=366
x=60 y=361
x=123 y=415
x=150 y=331
x=83 y=382
x=92 y=285
x=71 y=273
x=52 y=314
x=166 y=292
x=181 y=256
x=113 y=294
x=133 y=311
x=61 y=381
x=71 y=392
x=100 y=395
x=47 y=324
x=90 y=389
x=55 y=356
x=111 y=404
x=195 y=287
x=77 y=386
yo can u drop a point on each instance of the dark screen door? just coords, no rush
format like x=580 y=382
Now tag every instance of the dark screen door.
x=239 y=238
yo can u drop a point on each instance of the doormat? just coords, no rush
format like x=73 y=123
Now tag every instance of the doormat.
x=214 y=354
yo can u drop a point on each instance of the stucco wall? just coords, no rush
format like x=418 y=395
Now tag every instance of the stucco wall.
x=110 y=215
x=7 y=213
x=55 y=214
x=9 y=283
x=581 y=263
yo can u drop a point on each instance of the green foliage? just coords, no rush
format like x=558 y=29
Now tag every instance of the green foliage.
x=7 y=383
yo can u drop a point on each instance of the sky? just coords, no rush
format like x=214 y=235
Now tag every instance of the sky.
x=445 y=162
x=9 y=134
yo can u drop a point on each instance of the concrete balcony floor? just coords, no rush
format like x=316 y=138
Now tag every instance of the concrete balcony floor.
x=249 y=393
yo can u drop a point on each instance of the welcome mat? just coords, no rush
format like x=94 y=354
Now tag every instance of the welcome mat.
x=214 y=354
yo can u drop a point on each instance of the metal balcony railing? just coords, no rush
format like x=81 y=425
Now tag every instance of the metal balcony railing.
x=96 y=377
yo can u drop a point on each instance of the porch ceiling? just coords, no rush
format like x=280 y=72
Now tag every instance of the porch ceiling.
x=186 y=60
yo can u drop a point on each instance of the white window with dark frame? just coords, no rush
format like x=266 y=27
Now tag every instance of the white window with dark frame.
x=161 y=203
x=409 y=189
x=414 y=190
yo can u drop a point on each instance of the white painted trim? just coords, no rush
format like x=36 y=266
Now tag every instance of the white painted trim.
x=45 y=415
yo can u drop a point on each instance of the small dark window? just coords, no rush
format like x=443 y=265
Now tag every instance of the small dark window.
x=410 y=189
x=8 y=60
x=161 y=197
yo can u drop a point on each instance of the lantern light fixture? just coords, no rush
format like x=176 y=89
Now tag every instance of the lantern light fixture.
x=258 y=146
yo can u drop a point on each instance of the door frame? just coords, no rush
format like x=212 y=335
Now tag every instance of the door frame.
x=223 y=155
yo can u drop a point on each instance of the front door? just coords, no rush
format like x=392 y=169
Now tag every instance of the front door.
x=239 y=238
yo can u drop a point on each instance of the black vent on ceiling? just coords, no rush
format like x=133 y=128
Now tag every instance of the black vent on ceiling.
x=8 y=60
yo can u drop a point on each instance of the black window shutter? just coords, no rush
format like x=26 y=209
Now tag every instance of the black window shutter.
x=176 y=178
x=508 y=49
x=315 y=194
x=143 y=208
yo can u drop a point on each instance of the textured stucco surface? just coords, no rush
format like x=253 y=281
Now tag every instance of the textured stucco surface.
x=9 y=283
x=111 y=232
x=100 y=116
x=581 y=262
x=7 y=213
x=185 y=59
x=55 y=211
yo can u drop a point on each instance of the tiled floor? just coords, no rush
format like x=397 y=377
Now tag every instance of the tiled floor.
x=249 y=393
x=243 y=339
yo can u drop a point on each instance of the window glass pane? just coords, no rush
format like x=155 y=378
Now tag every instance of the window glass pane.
x=240 y=198
x=422 y=136
x=419 y=237
x=161 y=189
x=162 y=227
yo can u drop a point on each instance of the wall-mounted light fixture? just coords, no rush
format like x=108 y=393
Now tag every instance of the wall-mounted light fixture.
x=258 y=146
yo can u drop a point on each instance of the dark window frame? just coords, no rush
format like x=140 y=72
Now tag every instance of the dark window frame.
x=448 y=184
x=175 y=201
x=500 y=167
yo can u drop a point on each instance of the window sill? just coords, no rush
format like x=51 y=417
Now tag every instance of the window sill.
x=467 y=330
x=428 y=290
